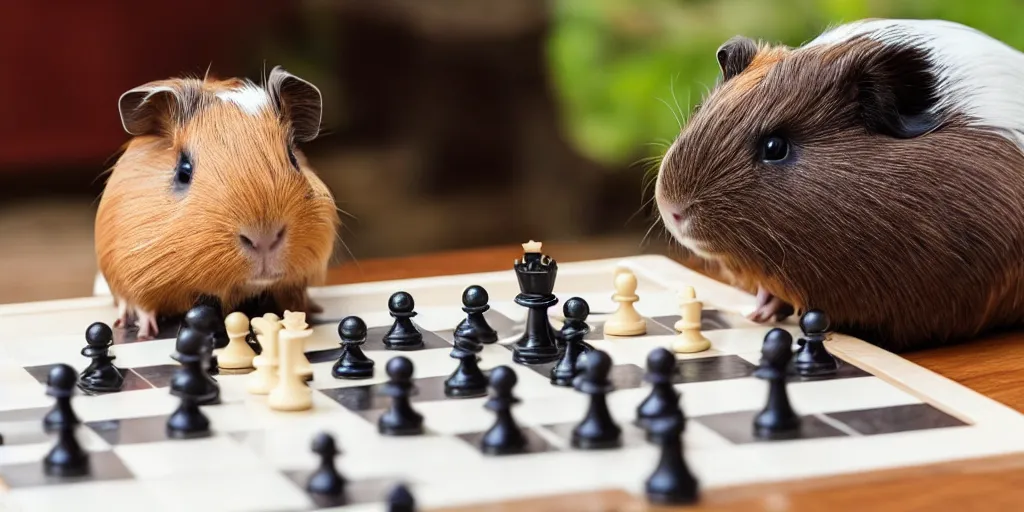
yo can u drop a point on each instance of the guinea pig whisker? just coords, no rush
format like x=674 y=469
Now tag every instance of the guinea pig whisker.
x=675 y=116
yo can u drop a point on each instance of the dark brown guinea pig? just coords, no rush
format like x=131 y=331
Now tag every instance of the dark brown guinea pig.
x=875 y=173
x=212 y=198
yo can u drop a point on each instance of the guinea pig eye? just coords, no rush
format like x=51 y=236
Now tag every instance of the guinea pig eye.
x=183 y=171
x=292 y=159
x=774 y=148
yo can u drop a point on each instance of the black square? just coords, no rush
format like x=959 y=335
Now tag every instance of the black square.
x=132 y=380
x=375 y=339
x=710 y=320
x=705 y=369
x=131 y=430
x=158 y=376
x=738 y=427
x=104 y=465
x=653 y=329
x=369 y=397
x=372 y=490
x=623 y=376
x=322 y=356
x=900 y=418
x=632 y=435
x=535 y=443
x=167 y=328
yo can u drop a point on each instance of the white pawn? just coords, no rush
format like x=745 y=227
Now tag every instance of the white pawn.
x=291 y=392
x=626 y=321
x=296 y=322
x=265 y=377
x=690 y=339
x=237 y=354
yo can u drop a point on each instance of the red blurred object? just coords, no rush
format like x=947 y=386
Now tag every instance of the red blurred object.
x=66 y=63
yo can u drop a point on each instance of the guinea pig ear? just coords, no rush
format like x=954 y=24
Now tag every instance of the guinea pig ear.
x=735 y=55
x=895 y=89
x=146 y=108
x=298 y=101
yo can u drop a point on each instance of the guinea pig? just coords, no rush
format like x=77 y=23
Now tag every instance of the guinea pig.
x=211 y=198
x=875 y=173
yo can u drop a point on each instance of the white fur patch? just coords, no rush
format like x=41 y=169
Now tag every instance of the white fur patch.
x=249 y=97
x=979 y=76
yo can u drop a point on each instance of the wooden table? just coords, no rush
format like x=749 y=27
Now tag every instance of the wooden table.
x=993 y=366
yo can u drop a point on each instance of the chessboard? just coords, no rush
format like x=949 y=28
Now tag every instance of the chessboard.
x=876 y=411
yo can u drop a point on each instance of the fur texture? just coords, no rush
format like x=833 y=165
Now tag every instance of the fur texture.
x=897 y=210
x=162 y=246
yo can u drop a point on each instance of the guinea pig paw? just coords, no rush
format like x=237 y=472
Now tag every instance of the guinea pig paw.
x=769 y=308
x=123 y=314
x=148 y=327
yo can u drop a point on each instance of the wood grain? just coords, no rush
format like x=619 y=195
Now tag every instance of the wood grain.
x=993 y=366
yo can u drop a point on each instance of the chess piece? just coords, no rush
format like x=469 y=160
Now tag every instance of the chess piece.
x=663 y=400
x=467 y=380
x=66 y=458
x=400 y=499
x=190 y=337
x=625 y=321
x=536 y=274
x=504 y=436
x=296 y=322
x=265 y=377
x=60 y=384
x=400 y=419
x=813 y=359
x=777 y=419
x=403 y=334
x=291 y=392
x=352 y=363
x=237 y=354
x=325 y=480
x=690 y=339
x=474 y=303
x=573 y=331
x=101 y=376
x=671 y=482
x=206 y=319
x=188 y=384
x=598 y=429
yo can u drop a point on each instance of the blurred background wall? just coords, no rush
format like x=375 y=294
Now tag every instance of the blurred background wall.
x=447 y=123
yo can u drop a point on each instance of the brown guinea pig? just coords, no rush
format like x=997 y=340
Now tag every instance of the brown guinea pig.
x=211 y=198
x=875 y=173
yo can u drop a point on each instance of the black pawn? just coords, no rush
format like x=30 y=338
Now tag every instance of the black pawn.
x=813 y=359
x=467 y=380
x=671 y=482
x=60 y=384
x=326 y=479
x=400 y=499
x=101 y=376
x=777 y=419
x=474 y=303
x=400 y=419
x=403 y=334
x=663 y=400
x=575 y=328
x=598 y=429
x=66 y=458
x=208 y=320
x=189 y=384
x=194 y=339
x=504 y=436
x=353 y=363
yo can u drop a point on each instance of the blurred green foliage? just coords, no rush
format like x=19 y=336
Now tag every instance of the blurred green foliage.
x=626 y=70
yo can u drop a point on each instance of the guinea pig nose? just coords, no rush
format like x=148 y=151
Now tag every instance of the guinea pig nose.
x=677 y=217
x=261 y=240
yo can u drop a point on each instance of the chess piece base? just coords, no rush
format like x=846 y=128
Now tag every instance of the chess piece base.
x=236 y=359
x=615 y=327
x=108 y=380
x=356 y=370
x=290 y=398
x=813 y=360
x=688 y=342
x=537 y=345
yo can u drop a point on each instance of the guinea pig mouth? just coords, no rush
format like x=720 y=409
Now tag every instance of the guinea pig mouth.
x=263 y=281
